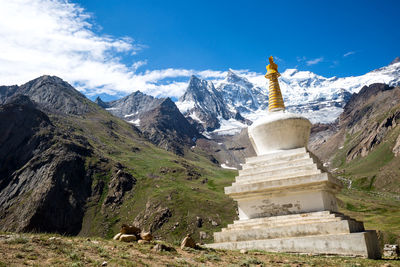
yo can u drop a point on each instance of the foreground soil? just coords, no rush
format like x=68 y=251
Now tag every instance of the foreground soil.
x=54 y=250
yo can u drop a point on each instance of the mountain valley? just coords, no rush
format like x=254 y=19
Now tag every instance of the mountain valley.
x=140 y=160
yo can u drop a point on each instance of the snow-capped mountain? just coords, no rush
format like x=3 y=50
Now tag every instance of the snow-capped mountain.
x=205 y=106
x=318 y=98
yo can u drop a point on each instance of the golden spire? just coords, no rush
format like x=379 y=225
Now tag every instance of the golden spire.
x=275 y=95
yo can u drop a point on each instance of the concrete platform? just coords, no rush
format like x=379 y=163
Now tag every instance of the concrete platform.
x=363 y=244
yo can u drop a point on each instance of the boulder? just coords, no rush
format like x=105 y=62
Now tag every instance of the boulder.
x=188 y=242
x=130 y=230
x=127 y=238
x=117 y=236
x=146 y=236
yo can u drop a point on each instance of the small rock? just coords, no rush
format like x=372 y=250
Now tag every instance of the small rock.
x=146 y=236
x=203 y=235
x=104 y=263
x=127 y=238
x=188 y=242
x=117 y=236
x=390 y=250
x=142 y=241
x=243 y=251
x=214 y=223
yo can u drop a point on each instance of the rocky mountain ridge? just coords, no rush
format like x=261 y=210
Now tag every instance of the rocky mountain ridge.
x=364 y=142
x=50 y=93
x=158 y=118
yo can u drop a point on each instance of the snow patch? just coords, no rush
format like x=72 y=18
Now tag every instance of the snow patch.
x=132 y=114
x=135 y=122
x=229 y=127
x=223 y=165
x=195 y=117
x=185 y=106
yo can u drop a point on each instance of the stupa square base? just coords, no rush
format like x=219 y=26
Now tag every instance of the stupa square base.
x=363 y=244
x=306 y=224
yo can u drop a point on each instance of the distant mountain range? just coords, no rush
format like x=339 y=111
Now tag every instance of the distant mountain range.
x=237 y=100
x=229 y=105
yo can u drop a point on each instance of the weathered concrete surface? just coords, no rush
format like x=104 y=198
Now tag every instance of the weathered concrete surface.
x=278 y=131
x=361 y=244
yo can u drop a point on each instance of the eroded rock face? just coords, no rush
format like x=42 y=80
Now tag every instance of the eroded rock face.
x=120 y=183
x=373 y=136
x=368 y=118
x=153 y=217
x=43 y=182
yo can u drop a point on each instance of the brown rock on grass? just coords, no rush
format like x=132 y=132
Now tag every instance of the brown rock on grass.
x=188 y=242
x=146 y=236
x=130 y=230
x=127 y=238
x=117 y=236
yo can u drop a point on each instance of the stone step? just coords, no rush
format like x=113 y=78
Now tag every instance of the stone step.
x=294 y=230
x=281 y=184
x=277 y=161
x=284 y=170
x=278 y=155
x=279 y=221
x=231 y=227
x=277 y=175
x=362 y=244
x=272 y=167
x=314 y=214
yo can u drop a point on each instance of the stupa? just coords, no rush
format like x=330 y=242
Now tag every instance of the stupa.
x=286 y=199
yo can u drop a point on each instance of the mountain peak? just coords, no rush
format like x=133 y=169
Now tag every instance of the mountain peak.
x=100 y=102
x=232 y=76
x=290 y=72
x=396 y=60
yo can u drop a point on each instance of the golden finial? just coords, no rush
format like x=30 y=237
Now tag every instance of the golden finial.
x=275 y=96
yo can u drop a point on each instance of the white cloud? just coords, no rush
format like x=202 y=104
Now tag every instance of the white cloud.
x=314 y=61
x=349 y=53
x=56 y=37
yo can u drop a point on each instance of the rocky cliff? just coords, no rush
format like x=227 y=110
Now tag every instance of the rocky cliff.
x=363 y=142
x=44 y=184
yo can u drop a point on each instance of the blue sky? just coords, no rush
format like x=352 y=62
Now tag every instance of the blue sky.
x=113 y=48
x=348 y=37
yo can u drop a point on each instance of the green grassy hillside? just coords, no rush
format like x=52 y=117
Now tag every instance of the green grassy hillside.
x=171 y=194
